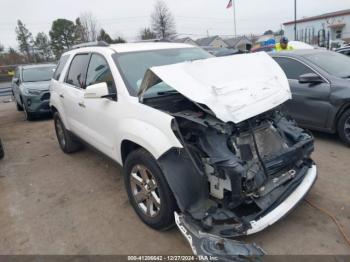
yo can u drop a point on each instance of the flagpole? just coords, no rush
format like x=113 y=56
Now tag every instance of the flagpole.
x=234 y=16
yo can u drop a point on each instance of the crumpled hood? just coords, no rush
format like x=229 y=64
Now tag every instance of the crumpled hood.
x=44 y=85
x=235 y=88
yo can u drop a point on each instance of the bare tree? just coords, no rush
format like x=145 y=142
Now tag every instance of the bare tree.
x=89 y=27
x=146 y=34
x=163 y=23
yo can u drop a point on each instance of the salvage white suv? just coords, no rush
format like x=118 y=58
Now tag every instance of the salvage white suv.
x=203 y=141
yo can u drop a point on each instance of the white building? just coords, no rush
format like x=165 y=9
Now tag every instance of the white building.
x=322 y=28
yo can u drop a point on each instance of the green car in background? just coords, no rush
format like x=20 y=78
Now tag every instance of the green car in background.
x=30 y=88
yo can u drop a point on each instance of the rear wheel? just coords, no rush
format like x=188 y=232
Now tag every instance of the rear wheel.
x=148 y=190
x=344 y=127
x=66 y=140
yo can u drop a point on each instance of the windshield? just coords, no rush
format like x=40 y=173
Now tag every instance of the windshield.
x=134 y=65
x=335 y=64
x=37 y=74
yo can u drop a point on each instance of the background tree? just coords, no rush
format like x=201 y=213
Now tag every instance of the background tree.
x=80 y=32
x=103 y=36
x=25 y=39
x=162 y=21
x=2 y=48
x=119 y=40
x=147 y=33
x=89 y=26
x=43 y=47
x=268 y=32
x=12 y=57
x=279 y=32
x=62 y=36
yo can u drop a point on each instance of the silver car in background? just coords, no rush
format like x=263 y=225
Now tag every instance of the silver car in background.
x=30 y=88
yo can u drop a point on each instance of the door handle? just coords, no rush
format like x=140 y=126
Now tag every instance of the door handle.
x=61 y=96
x=81 y=104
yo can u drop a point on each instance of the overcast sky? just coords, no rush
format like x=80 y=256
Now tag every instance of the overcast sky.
x=193 y=17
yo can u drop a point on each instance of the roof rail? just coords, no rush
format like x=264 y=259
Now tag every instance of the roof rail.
x=90 y=44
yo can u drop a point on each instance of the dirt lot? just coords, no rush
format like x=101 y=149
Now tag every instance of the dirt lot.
x=52 y=203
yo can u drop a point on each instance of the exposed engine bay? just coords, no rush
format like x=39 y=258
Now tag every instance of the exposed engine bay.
x=228 y=174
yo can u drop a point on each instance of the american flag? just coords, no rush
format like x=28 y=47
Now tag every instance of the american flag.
x=229 y=5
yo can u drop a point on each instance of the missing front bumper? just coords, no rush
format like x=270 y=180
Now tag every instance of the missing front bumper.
x=204 y=244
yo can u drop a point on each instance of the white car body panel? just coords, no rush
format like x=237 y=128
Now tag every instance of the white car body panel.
x=235 y=88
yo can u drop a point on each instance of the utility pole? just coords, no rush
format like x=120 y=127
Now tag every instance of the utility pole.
x=234 y=16
x=295 y=20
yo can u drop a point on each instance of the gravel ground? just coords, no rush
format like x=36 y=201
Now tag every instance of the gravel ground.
x=52 y=203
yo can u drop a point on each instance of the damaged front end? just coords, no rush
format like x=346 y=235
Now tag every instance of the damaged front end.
x=229 y=176
x=232 y=178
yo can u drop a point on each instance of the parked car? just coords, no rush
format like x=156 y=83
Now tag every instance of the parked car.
x=320 y=84
x=30 y=88
x=344 y=50
x=201 y=139
x=2 y=153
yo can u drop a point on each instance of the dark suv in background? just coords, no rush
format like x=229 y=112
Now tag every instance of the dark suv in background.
x=30 y=88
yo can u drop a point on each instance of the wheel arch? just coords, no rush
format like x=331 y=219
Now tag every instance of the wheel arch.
x=339 y=114
x=127 y=147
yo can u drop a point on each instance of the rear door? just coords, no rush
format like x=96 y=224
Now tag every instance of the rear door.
x=73 y=93
x=310 y=105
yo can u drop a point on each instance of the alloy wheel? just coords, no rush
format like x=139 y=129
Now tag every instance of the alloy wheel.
x=145 y=190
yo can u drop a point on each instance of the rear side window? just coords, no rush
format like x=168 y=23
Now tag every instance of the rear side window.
x=100 y=72
x=292 y=68
x=60 y=66
x=77 y=70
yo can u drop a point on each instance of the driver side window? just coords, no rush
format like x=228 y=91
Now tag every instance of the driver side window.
x=99 y=72
x=292 y=68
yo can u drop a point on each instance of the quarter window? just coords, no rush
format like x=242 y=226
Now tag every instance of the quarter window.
x=292 y=68
x=60 y=67
x=77 y=70
x=99 y=72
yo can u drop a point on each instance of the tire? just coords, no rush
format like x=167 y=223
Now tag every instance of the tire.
x=2 y=153
x=27 y=115
x=141 y=192
x=68 y=143
x=344 y=127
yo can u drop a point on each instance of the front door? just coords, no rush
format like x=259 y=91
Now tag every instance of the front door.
x=310 y=104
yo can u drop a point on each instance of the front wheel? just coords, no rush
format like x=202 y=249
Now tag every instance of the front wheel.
x=344 y=127
x=18 y=106
x=148 y=190
x=27 y=115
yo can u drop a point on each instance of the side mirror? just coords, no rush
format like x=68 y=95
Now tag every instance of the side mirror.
x=310 y=78
x=99 y=90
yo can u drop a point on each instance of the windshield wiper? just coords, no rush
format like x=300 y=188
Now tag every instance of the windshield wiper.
x=161 y=93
